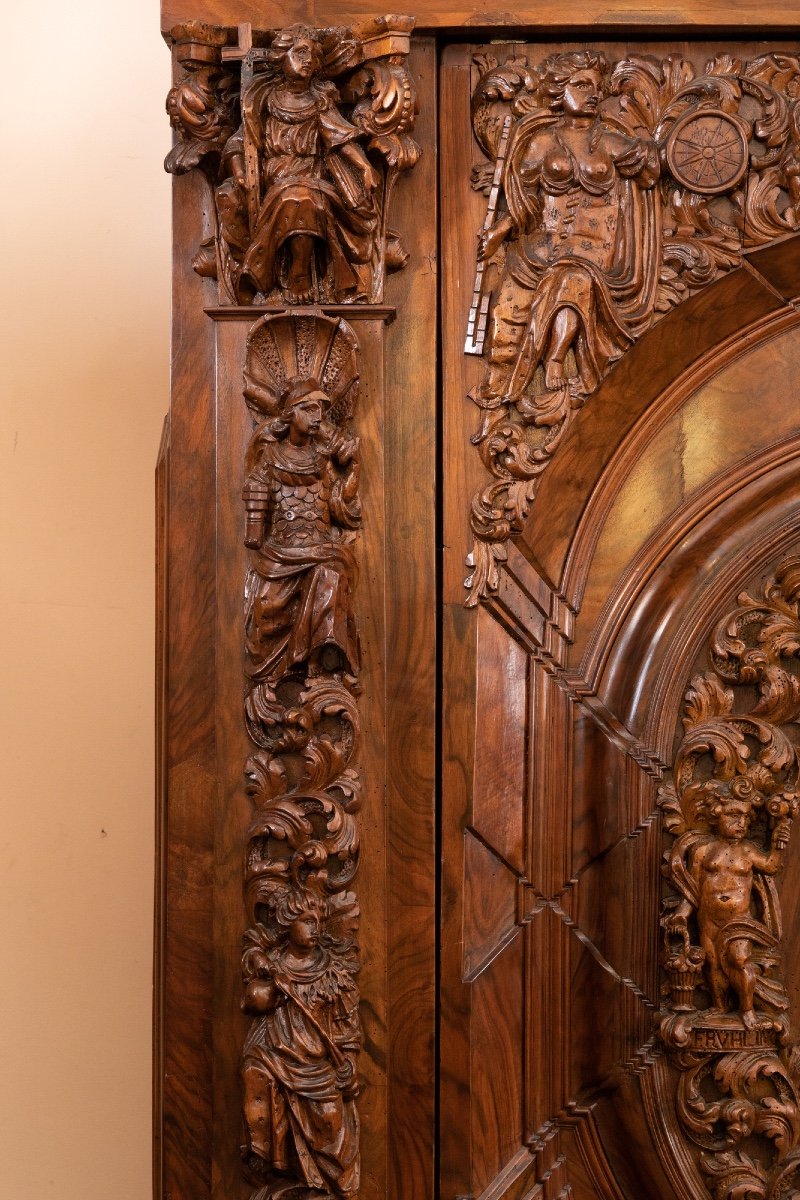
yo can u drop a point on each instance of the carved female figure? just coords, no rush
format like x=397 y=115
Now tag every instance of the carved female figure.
x=579 y=270
x=299 y=181
x=301 y=494
x=299 y=1065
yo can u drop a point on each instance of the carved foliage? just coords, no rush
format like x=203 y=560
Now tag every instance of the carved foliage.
x=728 y=816
x=302 y=136
x=300 y=956
x=619 y=191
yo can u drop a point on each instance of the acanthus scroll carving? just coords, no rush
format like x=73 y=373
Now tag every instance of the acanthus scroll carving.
x=302 y=659
x=615 y=191
x=302 y=137
x=728 y=814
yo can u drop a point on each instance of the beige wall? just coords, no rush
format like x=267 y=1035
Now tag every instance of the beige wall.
x=84 y=388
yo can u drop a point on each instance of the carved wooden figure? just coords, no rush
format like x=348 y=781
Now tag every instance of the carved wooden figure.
x=626 y=188
x=301 y=190
x=302 y=661
x=730 y=812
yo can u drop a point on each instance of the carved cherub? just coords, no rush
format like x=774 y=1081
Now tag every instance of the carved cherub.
x=716 y=872
x=301 y=495
x=299 y=1063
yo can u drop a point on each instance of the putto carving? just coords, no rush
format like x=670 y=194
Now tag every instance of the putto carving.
x=302 y=139
x=302 y=659
x=729 y=813
x=614 y=192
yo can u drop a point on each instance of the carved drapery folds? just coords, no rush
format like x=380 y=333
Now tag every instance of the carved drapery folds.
x=615 y=191
x=301 y=135
x=300 y=959
x=728 y=815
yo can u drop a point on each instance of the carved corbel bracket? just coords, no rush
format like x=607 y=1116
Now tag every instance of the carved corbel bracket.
x=615 y=192
x=301 y=134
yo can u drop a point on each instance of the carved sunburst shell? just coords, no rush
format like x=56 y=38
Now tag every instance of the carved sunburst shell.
x=285 y=346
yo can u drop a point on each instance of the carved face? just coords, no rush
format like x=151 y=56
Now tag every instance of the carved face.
x=733 y=821
x=304 y=931
x=306 y=414
x=302 y=59
x=583 y=93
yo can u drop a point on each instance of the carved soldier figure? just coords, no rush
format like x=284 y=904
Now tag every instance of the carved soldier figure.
x=299 y=1063
x=717 y=872
x=304 y=203
x=578 y=272
x=301 y=495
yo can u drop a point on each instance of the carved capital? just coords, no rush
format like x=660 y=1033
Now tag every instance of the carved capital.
x=301 y=134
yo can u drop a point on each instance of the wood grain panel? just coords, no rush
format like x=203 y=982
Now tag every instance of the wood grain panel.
x=631 y=16
x=498 y=803
x=490 y=906
x=184 y=1075
x=409 y=447
x=496 y=1065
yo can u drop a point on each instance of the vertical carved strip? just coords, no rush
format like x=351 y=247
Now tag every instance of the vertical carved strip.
x=302 y=659
x=728 y=815
x=300 y=135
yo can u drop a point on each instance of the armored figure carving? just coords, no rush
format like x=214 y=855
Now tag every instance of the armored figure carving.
x=613 y=195
x=301 y=495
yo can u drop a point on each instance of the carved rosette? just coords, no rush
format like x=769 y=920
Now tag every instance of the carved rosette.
x=615 y=191
x=728 y=814
x=301 y=134
x=301 y=959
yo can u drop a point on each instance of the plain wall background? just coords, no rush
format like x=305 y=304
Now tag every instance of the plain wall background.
x=84 y=389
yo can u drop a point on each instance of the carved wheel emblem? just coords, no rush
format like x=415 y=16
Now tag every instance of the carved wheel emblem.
x=707 y=151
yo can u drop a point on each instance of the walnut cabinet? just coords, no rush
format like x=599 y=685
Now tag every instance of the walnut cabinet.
x=479 y=606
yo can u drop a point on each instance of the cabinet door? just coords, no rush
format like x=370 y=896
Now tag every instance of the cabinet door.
x=620 y=687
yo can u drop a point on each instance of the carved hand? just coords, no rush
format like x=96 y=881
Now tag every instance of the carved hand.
x=675 y=922
x=780 y=834
x=260 y=996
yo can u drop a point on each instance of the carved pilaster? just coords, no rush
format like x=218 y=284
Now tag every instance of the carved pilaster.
x=728 y=815
x=299 y=1067
x=615 y=191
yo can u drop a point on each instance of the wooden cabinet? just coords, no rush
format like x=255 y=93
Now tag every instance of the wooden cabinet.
x=479 y=595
